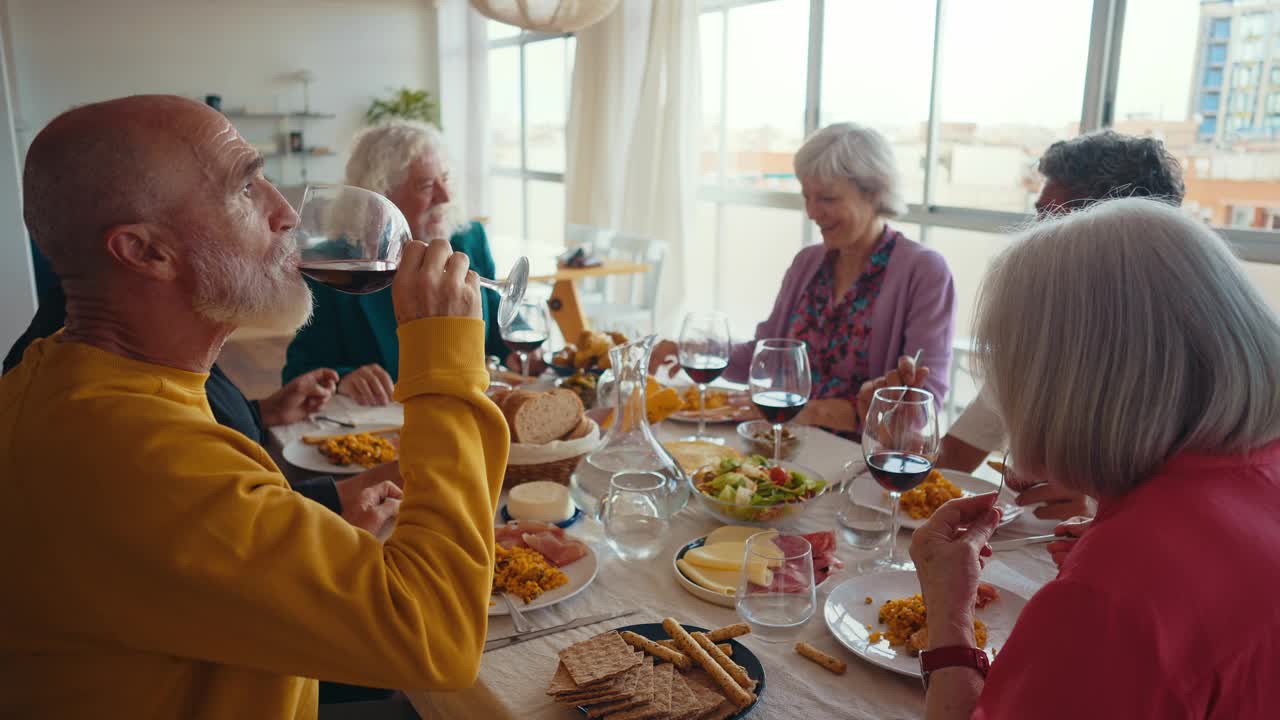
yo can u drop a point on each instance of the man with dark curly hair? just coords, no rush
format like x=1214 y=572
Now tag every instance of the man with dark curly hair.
x=1103 y=165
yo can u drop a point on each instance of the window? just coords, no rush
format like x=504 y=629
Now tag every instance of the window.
x=1243 y=75
x=1208 y=127
x=1209 y=102
x=1273 y=102
x=1217 y=54
x=1212 y=77
x=529 y=82
x=1275 y=70
x=1242 y=102
x=1220 y=29
x=1253 y=50
x=1253 y=25
x=1242 y=217
x=1238 y=123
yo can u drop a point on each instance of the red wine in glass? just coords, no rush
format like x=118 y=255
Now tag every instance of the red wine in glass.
x=706 y=372
x=898 y=471
x=777 y=406
x=524 y=341
x=357 y=277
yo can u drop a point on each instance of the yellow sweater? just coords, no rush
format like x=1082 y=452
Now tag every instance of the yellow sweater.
x=156 y=564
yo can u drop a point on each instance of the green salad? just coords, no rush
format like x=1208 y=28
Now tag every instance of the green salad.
x=755 y=489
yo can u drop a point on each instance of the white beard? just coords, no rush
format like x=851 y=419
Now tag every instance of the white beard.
x=232 y=289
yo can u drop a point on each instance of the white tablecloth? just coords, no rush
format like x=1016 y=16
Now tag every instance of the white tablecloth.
x=512 y=680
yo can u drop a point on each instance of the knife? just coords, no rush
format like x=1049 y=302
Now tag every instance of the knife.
x=510 y=640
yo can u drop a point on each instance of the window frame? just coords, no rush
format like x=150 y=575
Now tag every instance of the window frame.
x=1097 y=112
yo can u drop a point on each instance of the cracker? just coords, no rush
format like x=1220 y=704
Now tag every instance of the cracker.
x=599 y=658
x=711 y=701
x=736 y=671
x=643 y=693
x=562 y=682
x=828 y=662
x=729 y=631
x=731 y=689
x=723 y=711
x=683 y=701
x=622 y=687
x=674 y=657
x=659 y=706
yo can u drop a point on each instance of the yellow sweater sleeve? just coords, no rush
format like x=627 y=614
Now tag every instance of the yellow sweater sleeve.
x=219 y=561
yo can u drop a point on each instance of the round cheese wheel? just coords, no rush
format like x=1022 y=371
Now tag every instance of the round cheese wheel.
x=541 y=501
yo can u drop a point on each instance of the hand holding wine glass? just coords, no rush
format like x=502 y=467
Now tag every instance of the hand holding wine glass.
x=704 y=355
x=527 y=331
x=780 y=383
x=900 y=444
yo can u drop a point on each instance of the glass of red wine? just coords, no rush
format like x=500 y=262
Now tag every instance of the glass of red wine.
x=780 y=383
x=351 y=238
x=900 y=444
x=704 y=355
x=527 y=331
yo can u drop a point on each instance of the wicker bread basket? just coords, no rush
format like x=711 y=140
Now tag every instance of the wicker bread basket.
x=554 y=461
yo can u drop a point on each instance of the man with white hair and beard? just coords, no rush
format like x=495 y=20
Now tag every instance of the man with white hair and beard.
x=180 y=576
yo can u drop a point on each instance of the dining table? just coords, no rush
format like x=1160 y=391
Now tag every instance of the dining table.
x=512 y=680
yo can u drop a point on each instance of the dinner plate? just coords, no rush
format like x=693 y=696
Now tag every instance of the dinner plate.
x=739 y=408
x=581 y=572
x=848 y=616
x=870 y=494
x=697 y=590
x=741 y=655
x=308 y=457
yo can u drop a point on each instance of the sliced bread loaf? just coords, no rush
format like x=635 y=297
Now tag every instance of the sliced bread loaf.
x=541 y=417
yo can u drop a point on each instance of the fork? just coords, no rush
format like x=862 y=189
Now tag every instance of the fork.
x=517 y=617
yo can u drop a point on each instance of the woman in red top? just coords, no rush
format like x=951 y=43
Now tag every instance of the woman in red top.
x=1135 y=362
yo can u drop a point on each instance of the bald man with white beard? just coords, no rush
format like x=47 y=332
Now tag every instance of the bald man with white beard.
x=163 y=567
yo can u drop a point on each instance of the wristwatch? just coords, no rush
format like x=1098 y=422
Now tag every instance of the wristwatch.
x=952 y=656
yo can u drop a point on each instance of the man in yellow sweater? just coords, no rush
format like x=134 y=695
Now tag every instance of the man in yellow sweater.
x=156 y=563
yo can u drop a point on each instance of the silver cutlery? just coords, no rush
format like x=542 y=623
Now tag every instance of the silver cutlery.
x=1003 y=545
x=510 y=640
x=517 y=618
x=339 y=423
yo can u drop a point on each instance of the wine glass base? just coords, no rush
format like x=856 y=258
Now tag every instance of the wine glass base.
x=884 y=565
x=703 y=438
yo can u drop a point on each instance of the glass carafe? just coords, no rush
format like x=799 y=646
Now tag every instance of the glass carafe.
x=629 y=445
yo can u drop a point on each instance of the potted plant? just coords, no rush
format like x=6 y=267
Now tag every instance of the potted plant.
x=405 y=104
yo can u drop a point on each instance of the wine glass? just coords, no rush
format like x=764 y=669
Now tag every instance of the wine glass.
x=780 y=383
x=704 y=355
x=900 y=445
x=351 y=238
x=635 y=518
x=527 y=331
x=776 y=594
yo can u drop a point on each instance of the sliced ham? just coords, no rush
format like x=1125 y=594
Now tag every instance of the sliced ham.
x=552 y=542
x=825 y=562
x=987 y=594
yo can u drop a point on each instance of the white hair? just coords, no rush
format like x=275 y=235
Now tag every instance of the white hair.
x=1121 y=334
x=380 y=158
x=858 y=154
x=233 y=289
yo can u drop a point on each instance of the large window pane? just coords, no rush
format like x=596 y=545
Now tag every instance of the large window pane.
x=859 y=85
x=548 y=75
x=711 y=48
x=756 y=248
x=1005 y=98
x=767 y=54
x=546 y=213
x=507 y=204
x=1267 y=279
x=504 y=105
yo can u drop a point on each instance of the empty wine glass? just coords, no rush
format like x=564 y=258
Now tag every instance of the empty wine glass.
x=704 y=355
x=634 y=514
x=780 y=383
x=900 y=445
x=776 y=594
x=527 y=331
x=351 y=239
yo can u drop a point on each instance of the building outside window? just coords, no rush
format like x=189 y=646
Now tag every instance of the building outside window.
x=1209 y=102
x=1220 y=29
x=1217 y=54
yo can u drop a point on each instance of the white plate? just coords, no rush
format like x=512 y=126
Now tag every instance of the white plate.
x=868 y=493
x=697 y=590
x=848 y=615
x=581 y=572
x=308 y=457
x=742 y=410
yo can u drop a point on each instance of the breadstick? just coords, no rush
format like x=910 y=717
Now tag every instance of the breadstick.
x=831 y=664
x=735 y=692
x=728 y=631
x=735 y=670
x=640 y=642
x=725 y=648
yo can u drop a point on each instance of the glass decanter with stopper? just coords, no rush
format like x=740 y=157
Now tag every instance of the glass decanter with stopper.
x=629 y=445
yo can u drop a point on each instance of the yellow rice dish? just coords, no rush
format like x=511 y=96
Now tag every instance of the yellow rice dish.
x=525 y=573
x=921 y=501
x=907 y=625
x=358 y=449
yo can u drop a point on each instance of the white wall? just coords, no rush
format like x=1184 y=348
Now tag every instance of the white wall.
x=17 y=290
x=68 y=52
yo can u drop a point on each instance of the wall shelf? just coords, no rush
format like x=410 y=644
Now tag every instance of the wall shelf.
x=241 y=115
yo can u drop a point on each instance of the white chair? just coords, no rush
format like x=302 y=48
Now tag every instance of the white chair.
x=630 y=300
x=596 y=242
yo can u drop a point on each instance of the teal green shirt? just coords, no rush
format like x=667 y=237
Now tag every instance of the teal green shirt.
x=347 y=332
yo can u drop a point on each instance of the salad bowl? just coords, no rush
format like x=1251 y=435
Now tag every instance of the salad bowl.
x=755 y=491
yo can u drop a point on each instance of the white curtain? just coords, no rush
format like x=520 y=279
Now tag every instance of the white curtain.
x=633 y=136
x=464 y=101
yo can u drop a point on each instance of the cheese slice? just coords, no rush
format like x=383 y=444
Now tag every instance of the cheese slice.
x=541 y=501
x=728 y=557
x=717 y=581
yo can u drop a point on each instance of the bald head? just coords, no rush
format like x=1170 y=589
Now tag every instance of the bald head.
x=124 y=161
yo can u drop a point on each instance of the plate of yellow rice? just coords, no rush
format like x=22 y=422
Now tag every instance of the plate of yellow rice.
x=876 y=615
x=534 y=582
x=917 y=505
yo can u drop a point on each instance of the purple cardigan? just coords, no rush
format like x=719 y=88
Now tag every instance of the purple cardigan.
x=915 y=310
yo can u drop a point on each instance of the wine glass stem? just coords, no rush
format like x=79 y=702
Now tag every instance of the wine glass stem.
x=894 y=499
x=777 y=443
x=495 y=285
x=524 y=364
x=702 y=410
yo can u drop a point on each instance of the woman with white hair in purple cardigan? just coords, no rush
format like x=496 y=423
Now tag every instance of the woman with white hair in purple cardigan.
x=864 y=297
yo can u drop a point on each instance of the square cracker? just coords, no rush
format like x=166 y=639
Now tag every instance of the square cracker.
x=643 y=694
x=620 y=687
x=601 y=657
x=659 y=706
x=683 y=701
x=712 y=702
